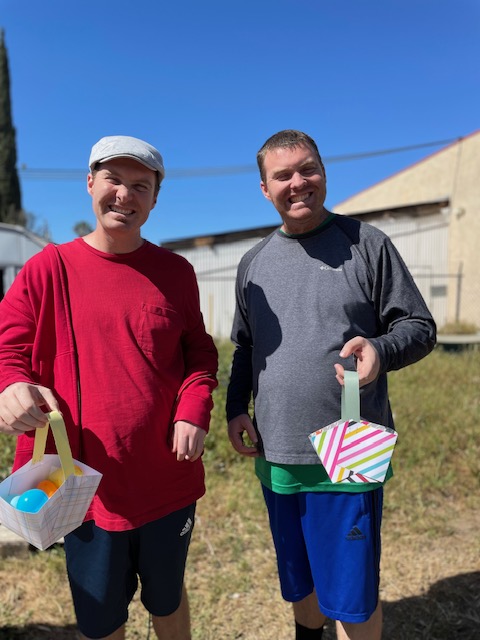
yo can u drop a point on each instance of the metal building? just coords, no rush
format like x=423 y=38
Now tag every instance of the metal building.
x=430 y=210
x=448 y=260
x=215 y=259
x=17 y=245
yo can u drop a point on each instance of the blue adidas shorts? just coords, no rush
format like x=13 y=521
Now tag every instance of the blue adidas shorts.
x=329 y=542
x=104 y=566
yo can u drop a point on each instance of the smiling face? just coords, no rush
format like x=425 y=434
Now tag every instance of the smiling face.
x=295 y=184
x=123 y=194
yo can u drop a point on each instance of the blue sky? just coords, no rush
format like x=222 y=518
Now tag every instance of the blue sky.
x=208 y=82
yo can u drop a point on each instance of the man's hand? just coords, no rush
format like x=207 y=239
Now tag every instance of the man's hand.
x=188 y=440
x=236 y=429
x=368 y=362
x=20 y=407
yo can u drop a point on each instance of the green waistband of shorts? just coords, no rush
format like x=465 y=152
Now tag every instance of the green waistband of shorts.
x=294 y=478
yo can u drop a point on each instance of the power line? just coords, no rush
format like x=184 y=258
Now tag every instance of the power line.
x=206 y=172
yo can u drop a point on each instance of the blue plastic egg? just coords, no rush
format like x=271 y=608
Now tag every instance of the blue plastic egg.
x=32 y=500
x=14 y=500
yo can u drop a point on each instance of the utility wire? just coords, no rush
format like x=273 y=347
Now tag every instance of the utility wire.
x=79 y=174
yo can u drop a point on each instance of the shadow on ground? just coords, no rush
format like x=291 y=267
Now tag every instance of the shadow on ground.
x=449 y=610
x=38 y=632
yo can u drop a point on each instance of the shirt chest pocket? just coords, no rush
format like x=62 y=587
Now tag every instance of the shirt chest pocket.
x=160 y=330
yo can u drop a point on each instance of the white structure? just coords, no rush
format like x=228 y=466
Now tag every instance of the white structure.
x=450 y=175
x=215 y=260
x=17 y=245
x=420 y=233
x=430 y=210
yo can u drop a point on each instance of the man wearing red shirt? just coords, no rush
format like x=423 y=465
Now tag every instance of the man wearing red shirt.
x=108 y=330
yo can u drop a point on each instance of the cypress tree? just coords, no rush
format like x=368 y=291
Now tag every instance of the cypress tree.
x=10 y=197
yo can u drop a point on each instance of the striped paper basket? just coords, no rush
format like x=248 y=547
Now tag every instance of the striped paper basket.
x=354 y=451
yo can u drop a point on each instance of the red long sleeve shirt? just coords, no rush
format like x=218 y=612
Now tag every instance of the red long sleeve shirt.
x=144 y=362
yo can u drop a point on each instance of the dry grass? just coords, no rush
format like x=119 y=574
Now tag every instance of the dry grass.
x=430 y=584
x=431 y=544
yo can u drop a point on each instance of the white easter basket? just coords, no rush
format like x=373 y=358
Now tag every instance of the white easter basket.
x=65 y=510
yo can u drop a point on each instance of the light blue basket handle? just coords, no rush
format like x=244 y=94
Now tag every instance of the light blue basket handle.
x=351 y=397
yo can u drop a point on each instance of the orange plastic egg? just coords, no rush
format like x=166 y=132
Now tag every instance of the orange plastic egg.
x=47 y=486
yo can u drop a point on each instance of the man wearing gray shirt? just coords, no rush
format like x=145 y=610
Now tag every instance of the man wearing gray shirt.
x=322 y=287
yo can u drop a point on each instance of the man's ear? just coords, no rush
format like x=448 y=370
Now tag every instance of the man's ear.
x=264 y=189
x=89 y=183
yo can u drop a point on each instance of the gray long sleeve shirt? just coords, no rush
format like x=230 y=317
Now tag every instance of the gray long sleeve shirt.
x=299 y=299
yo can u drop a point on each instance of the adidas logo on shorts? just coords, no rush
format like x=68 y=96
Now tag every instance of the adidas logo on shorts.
x=355 y=534
x=187 y=527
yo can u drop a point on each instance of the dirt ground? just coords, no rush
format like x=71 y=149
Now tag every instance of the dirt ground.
x=430 y=589
x=430 y=585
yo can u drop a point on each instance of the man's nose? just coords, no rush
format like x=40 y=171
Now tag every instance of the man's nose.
x=297 y=181
x=123 y=192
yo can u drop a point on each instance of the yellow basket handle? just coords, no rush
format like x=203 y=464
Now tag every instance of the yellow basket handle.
x=59 y=431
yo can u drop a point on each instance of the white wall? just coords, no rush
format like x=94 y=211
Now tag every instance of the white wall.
x=216 y=269
x=17 y=245
x=422 y=242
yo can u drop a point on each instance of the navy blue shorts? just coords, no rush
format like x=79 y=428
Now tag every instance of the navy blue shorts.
x=104 y=566
x=329 y=542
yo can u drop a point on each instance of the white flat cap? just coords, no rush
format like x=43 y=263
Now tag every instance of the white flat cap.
x=112 y=147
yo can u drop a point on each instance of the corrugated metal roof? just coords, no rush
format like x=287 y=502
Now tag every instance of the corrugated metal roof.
x=413 y=210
